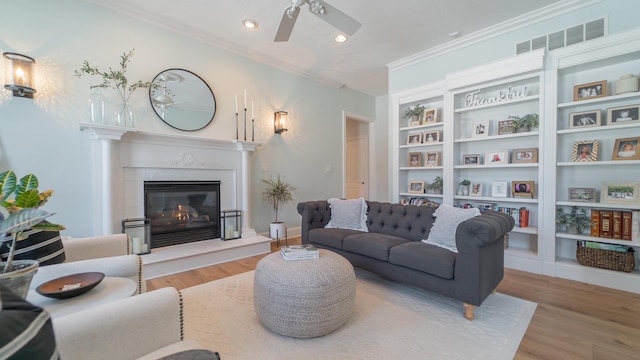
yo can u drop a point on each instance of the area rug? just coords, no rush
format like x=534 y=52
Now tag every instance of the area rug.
x=390 y=321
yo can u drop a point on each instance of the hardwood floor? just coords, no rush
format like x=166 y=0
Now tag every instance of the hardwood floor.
x=573 y=320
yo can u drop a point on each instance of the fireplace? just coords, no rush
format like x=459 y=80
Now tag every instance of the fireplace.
x=182 y=211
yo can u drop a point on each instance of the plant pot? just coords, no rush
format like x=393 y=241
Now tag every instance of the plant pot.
x=465 y=190
x=573 y=230
x=523 y=129
x=277 y=230
x=19 y=277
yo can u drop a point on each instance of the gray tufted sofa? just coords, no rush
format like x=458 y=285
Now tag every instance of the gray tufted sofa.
x=393 y=248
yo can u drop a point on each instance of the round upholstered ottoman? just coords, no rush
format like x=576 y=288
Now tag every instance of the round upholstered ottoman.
x=304 y=298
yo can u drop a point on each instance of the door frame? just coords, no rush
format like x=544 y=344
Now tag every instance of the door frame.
x=371 y=167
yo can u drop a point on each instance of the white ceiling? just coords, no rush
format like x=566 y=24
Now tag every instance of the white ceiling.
x=391 y=30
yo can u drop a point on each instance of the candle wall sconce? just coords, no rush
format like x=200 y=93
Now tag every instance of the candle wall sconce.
x=279 y=121
x=19 y=74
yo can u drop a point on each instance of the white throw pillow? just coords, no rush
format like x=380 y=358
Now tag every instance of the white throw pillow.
x=348 y=214
x=443 y=232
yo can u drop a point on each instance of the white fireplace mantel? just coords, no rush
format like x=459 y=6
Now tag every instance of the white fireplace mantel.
x=119 y=151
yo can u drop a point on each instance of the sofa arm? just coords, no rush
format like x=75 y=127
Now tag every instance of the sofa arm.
x=315 y=214
x=95 y=247
x=124 y=329
x=482 y=230
x=126 y=266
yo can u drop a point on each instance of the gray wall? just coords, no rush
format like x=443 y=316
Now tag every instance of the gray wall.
x=42 y=135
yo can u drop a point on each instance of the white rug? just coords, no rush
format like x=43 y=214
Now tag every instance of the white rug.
x=390 y=321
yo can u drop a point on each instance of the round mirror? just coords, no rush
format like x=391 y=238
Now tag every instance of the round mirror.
x=182 y=99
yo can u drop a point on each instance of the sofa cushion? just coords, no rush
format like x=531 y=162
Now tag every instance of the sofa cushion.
x=44 y=246
x=372 y=245
x=348 y=214
x=330 y=237
x=443 y=232
x=428 y=258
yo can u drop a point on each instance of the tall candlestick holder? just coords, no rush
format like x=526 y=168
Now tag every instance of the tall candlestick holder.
x=245 y=123
x=237 y=137
x=253 y=129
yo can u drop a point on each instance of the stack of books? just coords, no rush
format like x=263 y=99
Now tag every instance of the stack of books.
x=300 y=252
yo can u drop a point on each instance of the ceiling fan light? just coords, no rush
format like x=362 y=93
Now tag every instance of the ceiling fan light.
x=340 y=38
x=250 y=24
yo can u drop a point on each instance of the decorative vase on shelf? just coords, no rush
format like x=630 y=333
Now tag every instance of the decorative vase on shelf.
x=460 y=190
x=125 y=116
x=97 y=108
x=573 y=230
x=465 y=190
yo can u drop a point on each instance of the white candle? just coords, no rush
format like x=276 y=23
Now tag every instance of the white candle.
x=252 y=109
x=236 y=234
x=236 y=97
x=245 y=98
x=137 y=245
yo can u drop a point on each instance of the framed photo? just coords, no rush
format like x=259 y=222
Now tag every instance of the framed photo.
x=414 y=159
x=480 y=129
x=430 y=116
x=626 y=149
x=625 y=193
x=476 y=189
x=586 y=150
x=431 y=137
x=590 y=90
x=585 y=119
x=582 y=194
x=416 y=187
x=414 y=139
x=522 y=189
x=529 y=155
x=499 y=188
x=471 y=159
x=623 y=115
x=506 y=127
x=432 y=158
x=496 y=157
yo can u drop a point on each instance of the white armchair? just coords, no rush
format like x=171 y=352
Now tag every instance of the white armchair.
x=107 y=254
x=147 y=326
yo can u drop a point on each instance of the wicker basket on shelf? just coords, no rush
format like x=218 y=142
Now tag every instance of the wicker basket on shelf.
x=605 y=259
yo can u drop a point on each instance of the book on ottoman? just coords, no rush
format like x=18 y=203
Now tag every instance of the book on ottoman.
x=300 y=252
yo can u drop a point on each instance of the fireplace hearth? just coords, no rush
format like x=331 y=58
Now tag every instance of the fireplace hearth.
x=182 y=211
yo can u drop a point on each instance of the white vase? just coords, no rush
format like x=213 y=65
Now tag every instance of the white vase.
x=125 y=116
x=277 y=230
x=98 y=108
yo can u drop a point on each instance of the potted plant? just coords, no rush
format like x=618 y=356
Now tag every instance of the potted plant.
x=23 y=214
x=463 y=188
x=575 y=221
x=525 y=123
x=414 y=113
x=436 y=185
x=277 y=192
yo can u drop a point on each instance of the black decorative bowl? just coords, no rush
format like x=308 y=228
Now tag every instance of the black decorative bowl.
x=71 y=285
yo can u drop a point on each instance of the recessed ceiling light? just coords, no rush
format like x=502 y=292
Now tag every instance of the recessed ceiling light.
x=250 y=24
x=341 y=38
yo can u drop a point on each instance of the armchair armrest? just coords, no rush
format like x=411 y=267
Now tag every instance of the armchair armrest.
x=124 y=329
x=94 y=247
x=315 y=214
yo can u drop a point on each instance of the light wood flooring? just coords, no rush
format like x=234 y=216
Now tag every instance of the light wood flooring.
x=573 y=320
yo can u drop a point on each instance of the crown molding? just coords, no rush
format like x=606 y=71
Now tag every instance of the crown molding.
x=545 y=13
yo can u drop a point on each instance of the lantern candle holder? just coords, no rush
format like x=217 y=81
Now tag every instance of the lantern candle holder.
x=231 y=221
x=139 y=232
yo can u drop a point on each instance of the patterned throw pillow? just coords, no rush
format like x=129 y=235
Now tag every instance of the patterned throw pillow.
x=348 y=214
x=26 y=331
x=44 y=246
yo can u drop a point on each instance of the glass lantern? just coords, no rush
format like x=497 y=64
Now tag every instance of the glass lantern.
x=139 y=232
x=231 y=223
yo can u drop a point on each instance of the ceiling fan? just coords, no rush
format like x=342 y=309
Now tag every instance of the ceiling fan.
x=326 y=12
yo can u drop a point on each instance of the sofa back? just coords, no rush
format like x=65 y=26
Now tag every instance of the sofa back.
x=407 y=221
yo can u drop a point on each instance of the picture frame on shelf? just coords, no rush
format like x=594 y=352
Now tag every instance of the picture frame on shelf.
x=528 y=155
x=480 y=129
x=414 y=159
x=506 y=127
x=626 y=149
x=430 y=116
x=432 y=158
x=620 y=193
x=585 y=119
x=623 y=115
x=590 y=90
x=500 y=188
x=430 y=137
x=582 y=194
x=414 y=139
x=496 y=157
x=522 y=188
x=471 y=159
x=476 y=189
x=585 y=150
x=416 y=187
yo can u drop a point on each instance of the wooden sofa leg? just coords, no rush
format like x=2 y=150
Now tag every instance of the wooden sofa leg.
x=468 y=311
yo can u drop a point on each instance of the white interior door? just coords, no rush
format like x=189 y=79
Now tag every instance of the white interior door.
x=357 y=168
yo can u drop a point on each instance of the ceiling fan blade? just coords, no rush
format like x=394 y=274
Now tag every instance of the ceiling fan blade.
x=338 y=19
x=286 y=25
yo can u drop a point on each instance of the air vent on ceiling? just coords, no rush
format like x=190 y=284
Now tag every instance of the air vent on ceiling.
x=573 y=35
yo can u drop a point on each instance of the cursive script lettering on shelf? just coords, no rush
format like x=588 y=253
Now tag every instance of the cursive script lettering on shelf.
x=504 y=95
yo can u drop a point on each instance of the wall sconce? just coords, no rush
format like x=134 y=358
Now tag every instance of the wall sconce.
x=279 y=119
x=19 y=74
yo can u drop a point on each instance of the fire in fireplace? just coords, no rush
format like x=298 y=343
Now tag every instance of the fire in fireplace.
x=182 y=211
